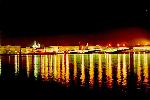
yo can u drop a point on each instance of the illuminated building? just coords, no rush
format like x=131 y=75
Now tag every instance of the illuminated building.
x=36 y=45
x=9 y=49
x=141 y=48
x=36 y=48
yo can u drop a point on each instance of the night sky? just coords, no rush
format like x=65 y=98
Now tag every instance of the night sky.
x=63 y=23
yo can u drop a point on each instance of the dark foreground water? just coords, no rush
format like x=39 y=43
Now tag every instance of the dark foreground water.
x=75 y=75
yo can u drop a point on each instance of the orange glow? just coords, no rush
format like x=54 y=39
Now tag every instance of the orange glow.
x=124 y=45
x=110 y=45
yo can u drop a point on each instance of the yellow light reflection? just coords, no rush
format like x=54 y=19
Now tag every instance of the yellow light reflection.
x=63 y=68
x=36 y=66
x=42 y=66
x=67 y=69
x=100 y=71
x=109 y=71
x=124 y=70
x=129 y=63
x=16 y=64
x=9 y=59
x=118 y=71
x=134 y=62
x=145 y=68
x=91 y=71
x=46 y=60
x=50 y=71
x=139 y=70
x=107 y=67
x=82 y=71
x=46 y=67
x=28 y=65
x=55 y=69
x=0 y=65
x=75 y=67
x=58 y=67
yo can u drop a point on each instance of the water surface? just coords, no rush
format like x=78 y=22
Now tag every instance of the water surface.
x=82 y=74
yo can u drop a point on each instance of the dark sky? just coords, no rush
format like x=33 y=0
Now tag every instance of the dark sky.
x=55 y=22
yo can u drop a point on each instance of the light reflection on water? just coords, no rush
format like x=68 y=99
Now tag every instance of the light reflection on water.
x=100 y=71
x=124 y=70
x=119 y=71
x=145 y=69
x=87 y=70
x=91 y=71
x=0 y=64
x=82 y=71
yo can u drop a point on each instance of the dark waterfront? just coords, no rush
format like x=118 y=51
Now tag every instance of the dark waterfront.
x=75 y=75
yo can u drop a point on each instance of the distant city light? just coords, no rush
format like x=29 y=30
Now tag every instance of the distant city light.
x=87 y=44
x=82 y=47
x=118 y=45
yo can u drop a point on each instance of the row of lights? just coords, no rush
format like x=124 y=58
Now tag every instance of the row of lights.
x=117 y=45
x=123 y=45
x=140 y=44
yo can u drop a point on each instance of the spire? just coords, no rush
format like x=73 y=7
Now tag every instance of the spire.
x=36 y=45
